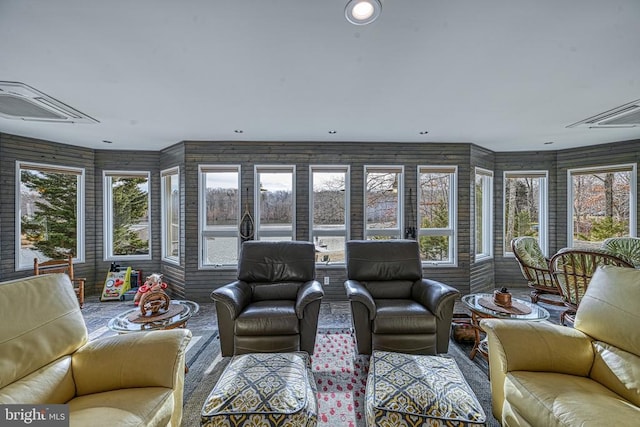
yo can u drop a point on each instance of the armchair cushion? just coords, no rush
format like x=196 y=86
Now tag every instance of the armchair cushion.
x=408 y=316
x=268 y=318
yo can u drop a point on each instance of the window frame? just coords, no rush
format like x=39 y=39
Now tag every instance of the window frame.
x=543 y=207
x=633 y=191
x=392 y=233
x=107 y=227
x=80 y=212
x=257 y=170
x=164 y=213
x=452 y=230
x=203 y=232
x=487 y=215
x=338 y=232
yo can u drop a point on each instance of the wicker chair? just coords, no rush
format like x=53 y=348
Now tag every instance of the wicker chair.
x=535 y=268
x=625 y=247
x=572 y=270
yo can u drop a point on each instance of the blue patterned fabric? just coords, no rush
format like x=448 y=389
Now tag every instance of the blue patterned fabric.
x=264 y=389
x=417 y=390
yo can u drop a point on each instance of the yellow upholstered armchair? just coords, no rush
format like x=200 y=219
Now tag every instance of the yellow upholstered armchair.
x=46 y=358
x=551 y=375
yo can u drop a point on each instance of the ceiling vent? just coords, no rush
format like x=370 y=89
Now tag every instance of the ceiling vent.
x=22 y=102
x=625 y=116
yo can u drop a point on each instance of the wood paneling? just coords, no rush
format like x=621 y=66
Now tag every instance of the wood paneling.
x=14 y=149
x=187 y=281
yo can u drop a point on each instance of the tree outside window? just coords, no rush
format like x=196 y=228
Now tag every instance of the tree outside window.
x=170 y=202
x=51 y=220
x=483 y=213
x=602 y=204
x=383 y=207
x=127 y=222
x=329 y=202
x=436 y=213
x=219 y=215
x=525 y=207
x=275 y=202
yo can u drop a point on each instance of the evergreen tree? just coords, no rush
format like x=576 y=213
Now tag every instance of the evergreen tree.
x=436 y=248
x=130 y=205
x=53 y=226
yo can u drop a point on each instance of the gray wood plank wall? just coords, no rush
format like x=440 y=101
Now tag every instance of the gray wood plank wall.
x=186 y=280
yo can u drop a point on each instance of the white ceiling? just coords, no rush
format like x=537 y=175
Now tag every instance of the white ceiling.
x=507 y=75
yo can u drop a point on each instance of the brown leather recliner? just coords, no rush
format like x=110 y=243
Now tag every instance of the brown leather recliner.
x=274 y=304
x=393 y=307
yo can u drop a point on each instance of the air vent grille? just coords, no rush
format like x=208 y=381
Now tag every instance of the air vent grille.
x=22 y=102
x=627 y=115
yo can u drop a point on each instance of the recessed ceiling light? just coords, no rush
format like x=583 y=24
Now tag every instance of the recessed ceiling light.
x=238 y=131
x=333 y=132
x=362 y=12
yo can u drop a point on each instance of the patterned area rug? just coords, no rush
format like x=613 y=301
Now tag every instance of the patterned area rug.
x=339 y=373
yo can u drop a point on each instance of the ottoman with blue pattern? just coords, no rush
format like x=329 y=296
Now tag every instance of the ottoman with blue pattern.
x=418 y=390
x=263 y=389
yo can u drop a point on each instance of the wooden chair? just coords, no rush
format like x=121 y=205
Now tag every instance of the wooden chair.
x=535 y=268
x=572 y=270
x=61 y=266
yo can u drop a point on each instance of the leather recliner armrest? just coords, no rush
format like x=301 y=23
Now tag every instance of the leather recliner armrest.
x=357 y=292
x=235 y=296
x=141 y=359
x=434 y=295
x=309 y=292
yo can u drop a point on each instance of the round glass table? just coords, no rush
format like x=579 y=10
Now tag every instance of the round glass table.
x=480 y=307
x=127 y=321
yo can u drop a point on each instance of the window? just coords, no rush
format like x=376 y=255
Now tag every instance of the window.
x=170 y=193
x=329 y=212
x=437 y=197
x=525 y=207
x=383 y=202
x=50 y=219
x=275 y=209
x=127 y=226
x=219 y=215
x=602 y=204
x=483 y=214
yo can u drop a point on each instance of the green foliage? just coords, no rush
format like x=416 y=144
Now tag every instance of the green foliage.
x=130 y=205
x=435 y=248
x=607 y=227
x=53 y=227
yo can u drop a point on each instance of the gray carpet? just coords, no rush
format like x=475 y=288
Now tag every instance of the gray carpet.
x=206 y=365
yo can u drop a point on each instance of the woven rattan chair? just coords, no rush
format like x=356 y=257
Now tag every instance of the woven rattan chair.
x=61 y=266
x=535 y=268
x=625 y=247
x=572 y=270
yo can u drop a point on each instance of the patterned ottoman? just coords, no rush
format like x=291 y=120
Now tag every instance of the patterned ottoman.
x=264 y=389
x=417 y=390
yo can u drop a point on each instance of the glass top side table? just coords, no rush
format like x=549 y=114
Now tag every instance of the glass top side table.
x=123 y=324
x=478 y=311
